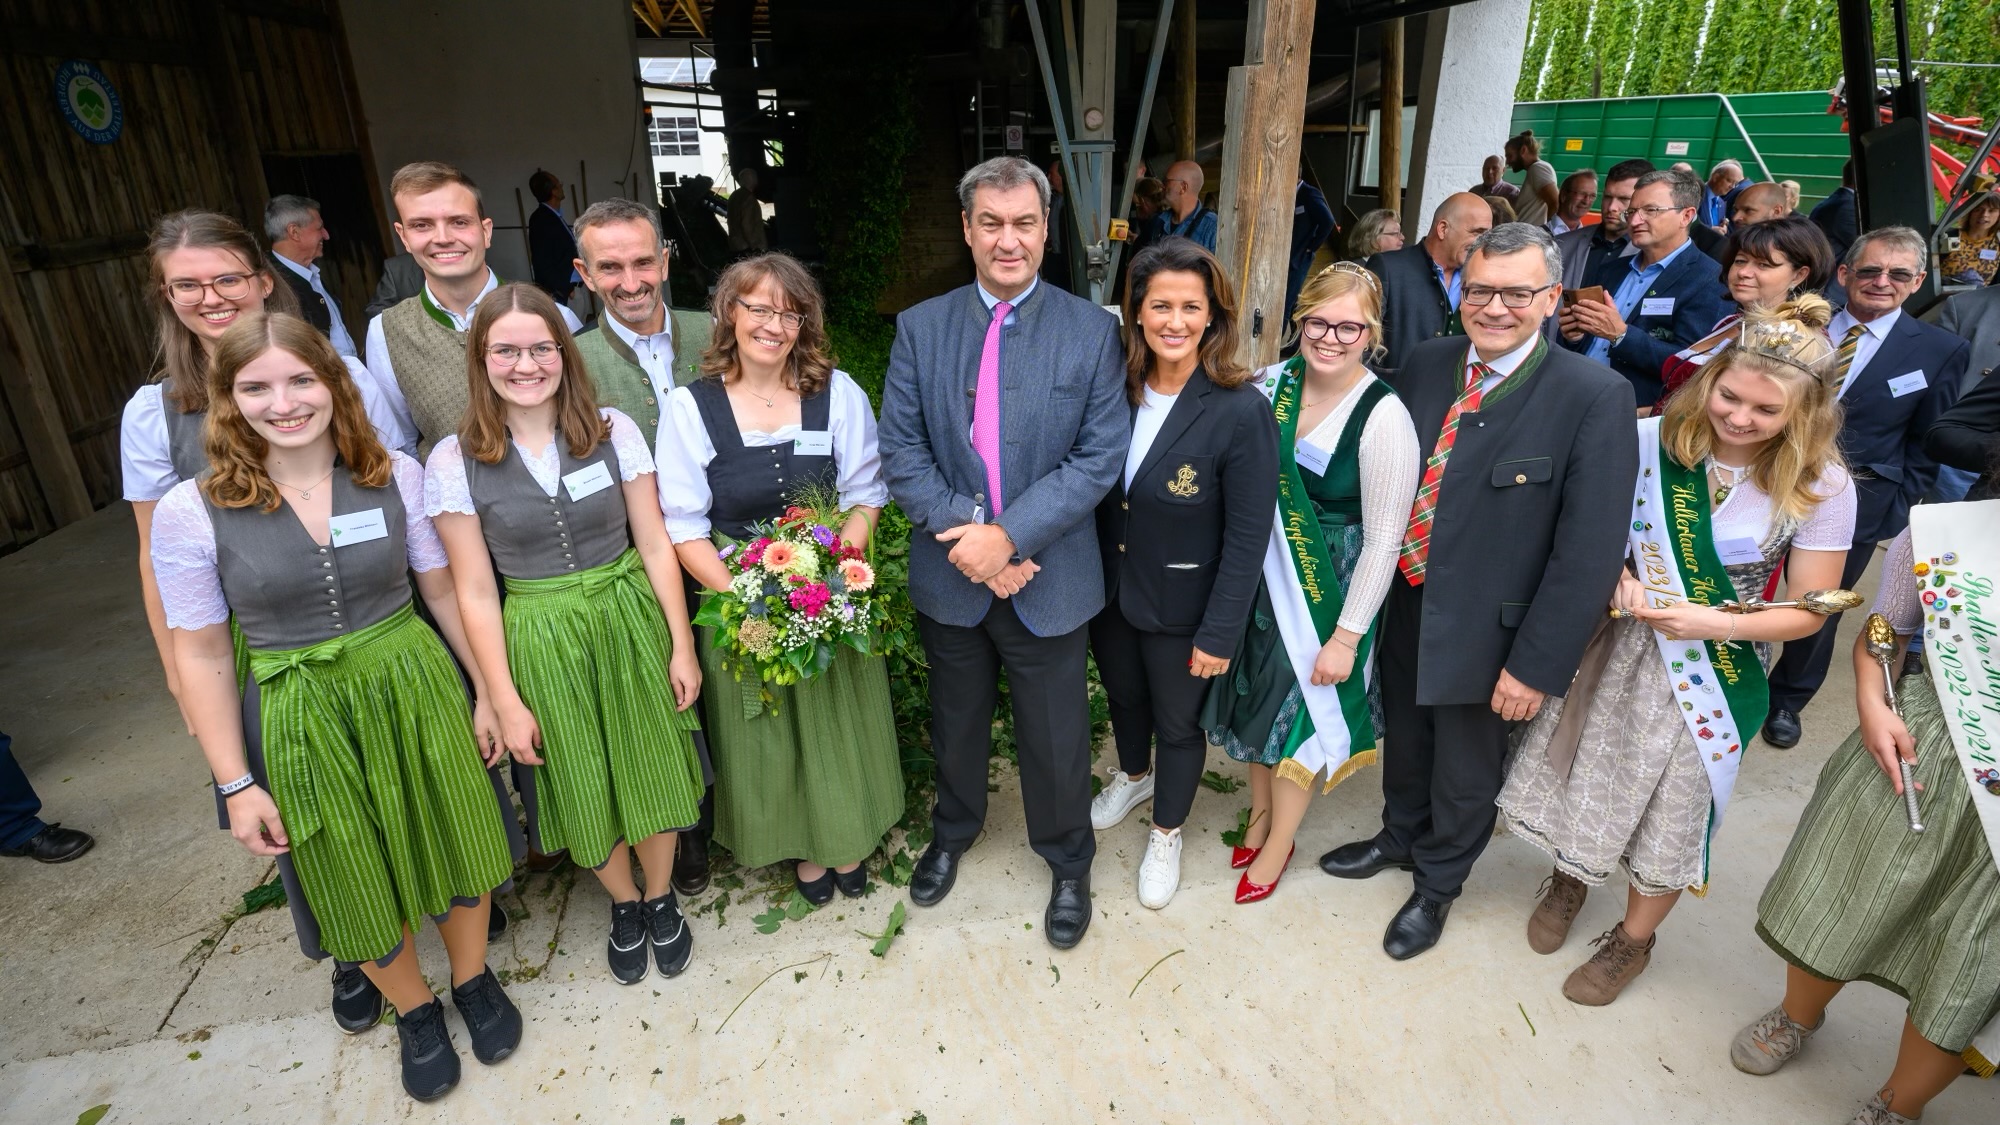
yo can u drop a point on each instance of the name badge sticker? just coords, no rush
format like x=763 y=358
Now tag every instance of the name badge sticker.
x=357 y=527
x=1988 y=255
x=813 y=443
x=1908 y=384
x=1312 y=457
x=1657 y=306
x=1740 y=549
x=588 y=481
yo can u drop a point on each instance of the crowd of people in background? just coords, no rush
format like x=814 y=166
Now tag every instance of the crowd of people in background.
x=393 y=575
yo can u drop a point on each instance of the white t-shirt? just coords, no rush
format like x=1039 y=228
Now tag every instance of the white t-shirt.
x=1529 y=206
x=1145 y=427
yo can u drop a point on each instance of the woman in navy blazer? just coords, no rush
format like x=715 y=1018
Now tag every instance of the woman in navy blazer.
x=1182 y=535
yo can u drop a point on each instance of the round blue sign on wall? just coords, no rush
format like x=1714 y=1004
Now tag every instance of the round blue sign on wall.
x=89 y=102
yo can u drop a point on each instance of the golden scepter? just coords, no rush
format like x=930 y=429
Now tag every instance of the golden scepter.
x=1880 y=637
x=1826 y=603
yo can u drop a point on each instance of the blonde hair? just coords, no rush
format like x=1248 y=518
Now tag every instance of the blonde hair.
x=237 y=478
x=482 y=434
x=422 y=177
x=1789 y=347
x=1338 y=280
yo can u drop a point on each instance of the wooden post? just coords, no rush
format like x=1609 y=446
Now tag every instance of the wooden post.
x=24 y=380
x=1184 y=81
x=1260 y=166
x=1390 y=146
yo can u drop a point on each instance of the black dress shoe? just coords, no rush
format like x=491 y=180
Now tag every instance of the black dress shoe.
x=853 y=883
x=936 y=871
x=357 y=1003
x=53 y=844
x=1361 y=859
x=818 y=891
x=1415 y=928
x=1068 y=915
x=1782 y=729
x=691 y=864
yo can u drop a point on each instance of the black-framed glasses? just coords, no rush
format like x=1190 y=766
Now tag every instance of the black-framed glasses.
x=1899 y=276
x=187 y=292
x=543 y=353
x=762 y=314
x=1346 y=331
x=1479 y=296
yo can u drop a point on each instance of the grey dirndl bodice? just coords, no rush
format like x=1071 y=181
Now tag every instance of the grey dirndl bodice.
x=185 y=443
x=287 y=591
x=531 y=534
x=750 y=484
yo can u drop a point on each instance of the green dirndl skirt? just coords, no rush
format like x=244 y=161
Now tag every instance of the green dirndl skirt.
x=1861 y=897
x=815 y=774
x=589 y=655
x=389 y=811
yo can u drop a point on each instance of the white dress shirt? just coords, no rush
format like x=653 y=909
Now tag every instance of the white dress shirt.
x=1877 y=330
x=656 y=358
x=1502 y=367
x=337 y=330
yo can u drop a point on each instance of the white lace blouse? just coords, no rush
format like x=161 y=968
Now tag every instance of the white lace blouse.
x=184 y=547
x=446 y=490
x=1390 y=463
x=685 y=452
x=145 y=450
x=1746 y=512
x=1897 y=597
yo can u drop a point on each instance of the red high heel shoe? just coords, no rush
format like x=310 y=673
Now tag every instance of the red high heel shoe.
x=1240 y=858
x=1247 y=891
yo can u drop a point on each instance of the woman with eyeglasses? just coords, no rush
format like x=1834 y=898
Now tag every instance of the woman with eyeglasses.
x=208 y=272
x=1181 y=537
x=813 y=775
x=1769 y=263
x=590 y=663
x=1300 y=703
x=1635 y=766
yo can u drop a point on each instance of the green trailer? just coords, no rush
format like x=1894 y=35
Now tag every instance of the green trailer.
x=1788 y=136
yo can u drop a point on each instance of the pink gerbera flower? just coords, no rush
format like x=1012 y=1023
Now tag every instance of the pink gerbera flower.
x=778 y=556
x=857 y=574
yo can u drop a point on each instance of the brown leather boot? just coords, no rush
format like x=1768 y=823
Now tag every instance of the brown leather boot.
x=1618 y=962
x=1548 y=926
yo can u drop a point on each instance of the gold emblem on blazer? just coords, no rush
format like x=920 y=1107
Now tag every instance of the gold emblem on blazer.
x=1183 y=484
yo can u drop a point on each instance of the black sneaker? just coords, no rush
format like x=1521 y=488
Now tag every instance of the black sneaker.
x=492 y=1020
x=673 y=942
x=626 y=950
x=357 y=1003
x=430 y=1065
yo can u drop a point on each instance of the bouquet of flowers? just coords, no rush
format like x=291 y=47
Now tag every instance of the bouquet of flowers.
x=796 y=595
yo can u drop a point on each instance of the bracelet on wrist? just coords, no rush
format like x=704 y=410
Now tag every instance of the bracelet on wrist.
x=1343 y=644
x=231 y=788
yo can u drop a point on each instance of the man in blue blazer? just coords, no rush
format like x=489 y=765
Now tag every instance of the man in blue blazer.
x=1662 y=299
x=1004 y=422
x=1897 y=376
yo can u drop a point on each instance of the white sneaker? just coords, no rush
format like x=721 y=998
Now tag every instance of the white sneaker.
x=1120 y=796
x=1160 y=871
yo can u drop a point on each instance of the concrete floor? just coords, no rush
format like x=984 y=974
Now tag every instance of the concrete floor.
x=128 y=983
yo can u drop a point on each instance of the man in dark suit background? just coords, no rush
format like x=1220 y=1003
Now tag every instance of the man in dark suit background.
x=1004 y=422
x=551 y=244
x=1312 y=225
x=1503 y=579
x=1586 y=249
x=1420 y=282
x=298 y=239
x=1662 y=299
x=1837 y=214
x=1898 y=376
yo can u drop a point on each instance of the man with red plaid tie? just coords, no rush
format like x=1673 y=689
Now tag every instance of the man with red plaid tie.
x=1511 y=556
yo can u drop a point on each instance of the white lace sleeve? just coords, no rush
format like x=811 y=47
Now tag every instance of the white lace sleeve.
x=1896 y=598
x=1389 y=471
x=420 y=538
x=445 y=487
x=855 y=454
x=634 y=459
x=682 y=459
x=184 y=560
x=145 y=453
x=1831 y=525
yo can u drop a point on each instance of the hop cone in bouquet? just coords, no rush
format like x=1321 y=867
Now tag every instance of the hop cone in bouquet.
x=796 y=595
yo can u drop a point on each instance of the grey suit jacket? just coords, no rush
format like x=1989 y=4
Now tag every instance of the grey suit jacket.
x=1976 y=317
x=1064 y=429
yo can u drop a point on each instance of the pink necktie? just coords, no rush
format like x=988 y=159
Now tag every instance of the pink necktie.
x=986 y=407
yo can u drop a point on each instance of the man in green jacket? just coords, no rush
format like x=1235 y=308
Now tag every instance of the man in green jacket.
x=639 y=350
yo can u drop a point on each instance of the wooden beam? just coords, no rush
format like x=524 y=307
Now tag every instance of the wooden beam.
x=648 y=12
x=693 y=10
x=1260 y=166
x=222 y=75
x=1390 y=147
x=1184 y=80
x=24 y=380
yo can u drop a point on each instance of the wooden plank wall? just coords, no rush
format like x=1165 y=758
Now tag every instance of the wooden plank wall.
x=74 y=215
